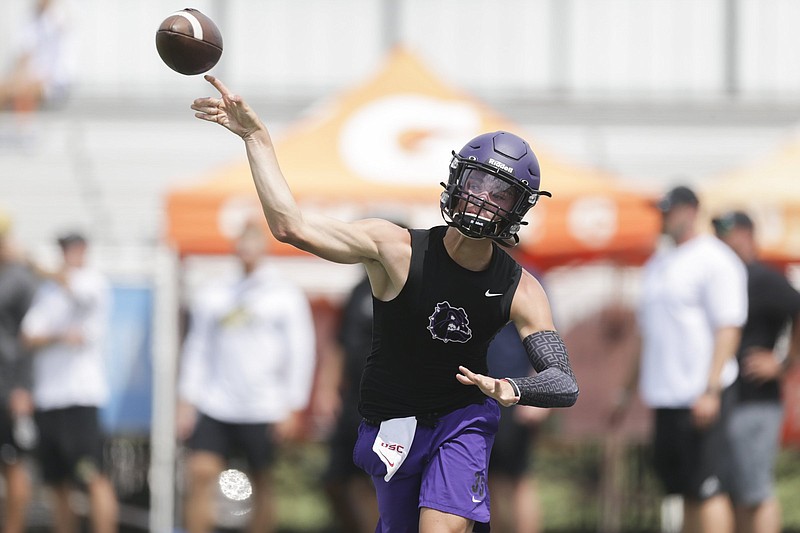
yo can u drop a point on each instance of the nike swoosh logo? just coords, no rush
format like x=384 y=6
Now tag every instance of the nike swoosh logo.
x=489 y=294
x=391 y=464
x=476 y=501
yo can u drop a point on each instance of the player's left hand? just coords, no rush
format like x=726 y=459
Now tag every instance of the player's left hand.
x=499 y=389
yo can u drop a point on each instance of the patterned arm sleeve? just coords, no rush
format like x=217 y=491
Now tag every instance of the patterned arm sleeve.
x=554 y=384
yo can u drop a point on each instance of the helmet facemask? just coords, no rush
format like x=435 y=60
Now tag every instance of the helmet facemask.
x=482 y=200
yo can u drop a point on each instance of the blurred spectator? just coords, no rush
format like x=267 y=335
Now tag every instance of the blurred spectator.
x=17 y=431
x=65 y=329
x=754 y=426
x=41 y=72
x=694 y=303
x=349 y=488
x=245 y=379
x=515 y=498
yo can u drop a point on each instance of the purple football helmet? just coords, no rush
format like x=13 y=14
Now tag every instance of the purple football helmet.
x=494 y=180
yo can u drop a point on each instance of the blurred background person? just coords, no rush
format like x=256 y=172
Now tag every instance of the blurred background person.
x=693 y=305
x=516 y=507
x=348 y=488
x=754 y=425
x=17 y=432
x=245 y=379
x=65 y=330
x=41 y=71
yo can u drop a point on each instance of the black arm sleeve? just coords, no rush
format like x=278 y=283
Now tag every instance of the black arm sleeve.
x=554 y=384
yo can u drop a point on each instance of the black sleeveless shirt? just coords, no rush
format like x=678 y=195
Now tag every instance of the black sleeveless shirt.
x=444 y=316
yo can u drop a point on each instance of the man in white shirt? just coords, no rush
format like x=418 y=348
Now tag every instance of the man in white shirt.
x=246 y=376
x=65 y=329
x=692 y=308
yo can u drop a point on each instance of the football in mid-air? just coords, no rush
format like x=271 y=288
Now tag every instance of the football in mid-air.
x=189 y=42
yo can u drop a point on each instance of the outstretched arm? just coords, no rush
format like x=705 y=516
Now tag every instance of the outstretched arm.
x=376 y=243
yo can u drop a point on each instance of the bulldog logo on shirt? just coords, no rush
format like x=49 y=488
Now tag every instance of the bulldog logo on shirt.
x=448 y=323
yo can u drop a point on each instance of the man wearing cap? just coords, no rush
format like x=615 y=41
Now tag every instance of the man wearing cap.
x=17 y=432
x=693 y=305
x=64 y=329
x=754 y=423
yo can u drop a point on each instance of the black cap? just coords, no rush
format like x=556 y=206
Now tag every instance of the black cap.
x=730 y=220
x=680 y=195
x=68 y=239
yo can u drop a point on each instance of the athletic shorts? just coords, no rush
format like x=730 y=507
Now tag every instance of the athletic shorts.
x=228 y=440
x=691 y=462
x=445 y=470
x=754 y=430
x=513 y=446
x=70 y=444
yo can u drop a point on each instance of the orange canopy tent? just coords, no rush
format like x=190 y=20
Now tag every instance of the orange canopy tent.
x=769 y=190
x=382 y=148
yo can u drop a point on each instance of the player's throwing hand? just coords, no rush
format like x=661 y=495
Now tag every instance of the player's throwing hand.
x=230 y=111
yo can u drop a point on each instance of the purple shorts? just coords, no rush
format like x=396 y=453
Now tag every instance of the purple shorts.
x=445 y=469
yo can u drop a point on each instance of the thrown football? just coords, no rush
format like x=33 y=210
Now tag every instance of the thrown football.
x=189 y=42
